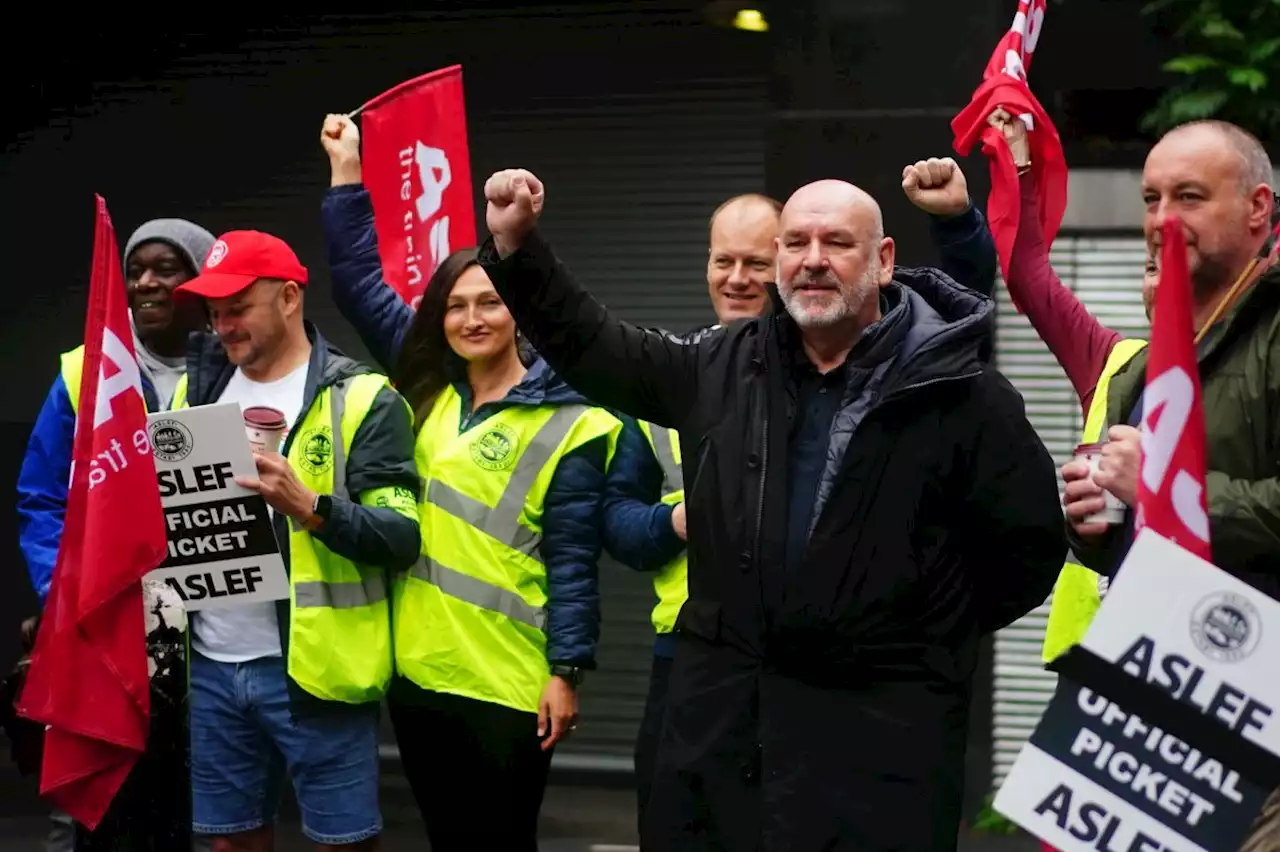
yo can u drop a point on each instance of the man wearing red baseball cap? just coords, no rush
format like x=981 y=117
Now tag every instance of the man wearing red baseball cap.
x=302 y=677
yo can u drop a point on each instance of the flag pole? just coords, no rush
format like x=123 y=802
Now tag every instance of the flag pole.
x=151 y=811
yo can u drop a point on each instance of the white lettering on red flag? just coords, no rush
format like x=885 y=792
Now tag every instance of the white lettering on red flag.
x=1171 y=490
x=88 y=681
x=417 y=168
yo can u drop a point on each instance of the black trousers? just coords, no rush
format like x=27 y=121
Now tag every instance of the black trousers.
x=477 y=770
x=646 y=754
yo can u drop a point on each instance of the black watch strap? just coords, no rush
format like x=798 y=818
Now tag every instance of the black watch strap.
x=571 y=674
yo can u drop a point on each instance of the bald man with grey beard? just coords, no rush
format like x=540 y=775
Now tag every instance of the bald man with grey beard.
x=645 y=522
x=866 y=500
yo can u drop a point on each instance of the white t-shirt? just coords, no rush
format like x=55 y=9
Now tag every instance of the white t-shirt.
x=250 y=632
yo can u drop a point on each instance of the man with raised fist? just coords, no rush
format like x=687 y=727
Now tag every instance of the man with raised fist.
x=645 y=520
x=866 y=500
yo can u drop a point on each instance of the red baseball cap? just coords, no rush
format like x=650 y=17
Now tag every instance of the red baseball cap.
x=238 y=259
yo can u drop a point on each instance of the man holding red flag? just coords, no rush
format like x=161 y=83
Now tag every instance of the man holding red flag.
x=88 y=680
x=1214 y=178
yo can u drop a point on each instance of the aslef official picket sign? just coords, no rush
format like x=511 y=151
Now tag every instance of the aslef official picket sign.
x=222 y=551
x=1162 y=736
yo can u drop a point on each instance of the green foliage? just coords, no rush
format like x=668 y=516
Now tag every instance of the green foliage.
x=1232 y=56
x=991 y=821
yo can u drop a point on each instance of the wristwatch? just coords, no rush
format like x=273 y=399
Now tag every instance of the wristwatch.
x=319 y=513
x=572 y=675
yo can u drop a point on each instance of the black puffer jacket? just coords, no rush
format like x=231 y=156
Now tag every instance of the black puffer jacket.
x=824 y=707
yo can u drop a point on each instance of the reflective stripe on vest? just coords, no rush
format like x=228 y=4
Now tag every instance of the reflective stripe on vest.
x=667 y=452
x=71 y=368
x=372 y=586
x=503 y=520
x=1076 y=595
x=671 y=583
x=470 y=616
x=339 y=627
x=464 y=587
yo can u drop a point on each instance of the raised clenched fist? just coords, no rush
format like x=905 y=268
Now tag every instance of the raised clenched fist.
x=1015 y=135
x=340 y=138
x=936 y=186
x=513 y=202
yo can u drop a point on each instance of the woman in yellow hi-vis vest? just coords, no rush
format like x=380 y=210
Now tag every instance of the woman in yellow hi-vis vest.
x=500 y=617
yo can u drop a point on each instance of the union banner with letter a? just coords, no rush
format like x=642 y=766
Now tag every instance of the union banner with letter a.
x=88 y=680
x=417 y=168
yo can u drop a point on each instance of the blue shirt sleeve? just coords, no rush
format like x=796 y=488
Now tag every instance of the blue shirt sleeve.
x=571 y=543
x=42 y=486
x=637 y=525
x=362 y=295
x=967 y=249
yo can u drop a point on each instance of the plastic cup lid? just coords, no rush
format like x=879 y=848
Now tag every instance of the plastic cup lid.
x=264 y=417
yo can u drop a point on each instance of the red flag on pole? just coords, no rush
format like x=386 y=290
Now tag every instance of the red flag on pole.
x=417 y=168
x=1171 y=488
x=1005 y=85
x=88 y=679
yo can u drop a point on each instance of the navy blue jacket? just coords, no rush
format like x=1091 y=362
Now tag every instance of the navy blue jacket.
x=638 y=530
x=571 y=541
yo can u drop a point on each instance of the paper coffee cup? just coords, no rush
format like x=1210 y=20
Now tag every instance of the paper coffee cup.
x=1114 y=508
x=265 y=428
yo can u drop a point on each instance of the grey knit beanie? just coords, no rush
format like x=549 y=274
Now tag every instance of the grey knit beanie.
x=188 y=238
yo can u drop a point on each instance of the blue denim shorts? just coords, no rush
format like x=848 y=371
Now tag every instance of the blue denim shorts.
x=242 y=730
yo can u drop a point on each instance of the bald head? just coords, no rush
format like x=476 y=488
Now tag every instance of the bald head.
x=834 y=196
x=746 y=211
x=1253 y=163
x=832 y=254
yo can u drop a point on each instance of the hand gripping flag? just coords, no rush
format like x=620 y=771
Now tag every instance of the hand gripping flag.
x=1005 y=85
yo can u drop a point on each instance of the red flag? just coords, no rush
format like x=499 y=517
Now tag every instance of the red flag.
x=1005 y=84
x=88 y=680
x=1171 y=489
x=1171 y=485
x=417 y=168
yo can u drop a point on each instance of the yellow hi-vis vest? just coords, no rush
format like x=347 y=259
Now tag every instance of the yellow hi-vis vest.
x=72 y=369
x=671 y=583
x=339 y=646
x=470 y=617
x=1075 y=595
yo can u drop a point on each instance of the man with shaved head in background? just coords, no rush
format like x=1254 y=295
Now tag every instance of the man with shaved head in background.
x=866 y=499
x=740 y=258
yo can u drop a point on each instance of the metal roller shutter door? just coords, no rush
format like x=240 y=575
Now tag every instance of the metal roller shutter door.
x=631 y=182
x=1105 y=272
x=657 y=121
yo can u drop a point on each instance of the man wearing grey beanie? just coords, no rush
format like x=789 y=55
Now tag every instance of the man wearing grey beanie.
x=159 y=255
